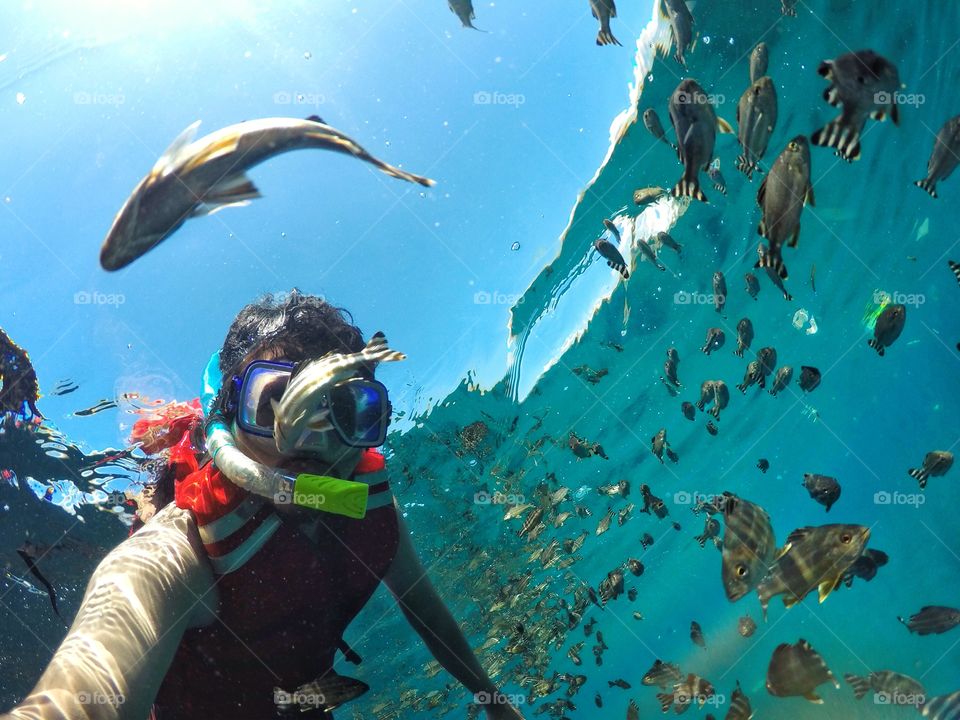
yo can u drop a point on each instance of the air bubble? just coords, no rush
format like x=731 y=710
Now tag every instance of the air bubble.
x=515 y=246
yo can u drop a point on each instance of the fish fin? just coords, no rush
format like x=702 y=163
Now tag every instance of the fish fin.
x=929 y=185
x=316 y=119
x=808 y=199
x=876 y=346
x=790 y=600
x=838 y=135
x=797 y=535
x=724 y=127
x=171 y=154
x=320 y=421
x=860 y=684
x=762 y=191
x=231 y=190
x=605 y=37
x=828 y=586
x=825 y=69
x=795 y=238
x=920 y=475
x=895 y=111
x=223 y=146
x=661 y=5
x=813 y=697
x=689 y=188
x=832 y=96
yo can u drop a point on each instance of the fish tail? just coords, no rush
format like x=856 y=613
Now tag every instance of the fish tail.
x=920 y=475
x=689 y=187
x=839 y=136
x=605 y=37
x=954 y=268
x=876 y=346
x=702 y=539
x=774 y=261
x=738 y=352
x=745 y=166
x=929 y=185
x=742 y=387
x=860 y=684
x=666 y=700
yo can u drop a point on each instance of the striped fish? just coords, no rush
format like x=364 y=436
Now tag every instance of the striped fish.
x=943 y=707
x=797 y=670
x=739 y=705
x=532 y=520
x=813 y=557
x=955 y=269
x=935 y=464
x=889 y=688
x=748 y=546
x=932 y=620
x=296 y=415
x=662 y=674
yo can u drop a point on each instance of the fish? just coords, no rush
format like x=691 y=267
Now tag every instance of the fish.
x=781 y=379
x=633 y=712
x=888 y=328
x=574 y=653
x=771 y=266
x=893 y=688
x=932 y=620
x=711 y=428
x=715 y=340
x=721 y=397
x=99 y=407
x=646 y=540
x=713 y=172
x=689 y=412
x=650 y=255
x=865 y=566
x=588 y=627
x=822 y=488
x=531 y=522
x=759 y=59
x=516 y=511
x=955 y=269
x=64 y=387
x=813 y=277
x=696 y=634
x=662 y=674
x=707 y=389
x=681 y=27
x=756 y=120
x=744 y=336
x=645 y=196
x=28 y=553
x=651 y=121
x=788 y=8
x=624 y=514
x=753 y=285
x=612 y=229
x=611 y=587
x=667 y=240
x=763 y=464
x=674 y=458
x=669 y=377
x=603 y=10
x=809 y=379
x=199 y=177
x=748 y=546
x=327 y=692
x=604 y=523
x=711 y=531
x=746 y=626
x=463 y=9
x=751 y=376
x=866 y=85
x=637 y=615
x=719 y=292
x=695 y=124
x=609 y=252
x=935 y=464
x=693 y=690
x=767 y=357
x=942 y=707
x=781 y=197
x=813 y=557
x=635 y=567
x=571 y=545
x=798 y=670
x=598 y=701
x=621 y=488
x=619 y=682
x=739 y=705
x=652 y=503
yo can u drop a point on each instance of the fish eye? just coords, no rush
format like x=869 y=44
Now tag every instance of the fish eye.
x=741 y=570
x=793 y=145
x=846 y=538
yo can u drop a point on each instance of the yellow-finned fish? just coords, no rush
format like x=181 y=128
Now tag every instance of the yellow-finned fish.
x=198 y=177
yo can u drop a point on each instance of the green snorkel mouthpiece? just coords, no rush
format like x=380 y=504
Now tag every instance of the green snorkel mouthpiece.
x=330 y=494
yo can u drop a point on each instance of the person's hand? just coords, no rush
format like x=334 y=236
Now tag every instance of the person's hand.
x=499 y=708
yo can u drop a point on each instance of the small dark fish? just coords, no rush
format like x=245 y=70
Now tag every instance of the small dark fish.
x=866 y=84
x=689 y=412
x=662 y=674
x=763 y=464
x=893 y=687
x=822 y=488
x=739 y=705
x=695 y=125
x=759 y=59
x=770 y=266
x=713 y=172
x=588 y=627
x=651 y=503
x=865 y=567
x=767 y=357
x=798 y=670
x=696 y=634
x=64 y=387
x=647 y=195
x=674 y=458
x=809 y=379
x=676 y=526
x=781 y=379
x=598 y=701
x=603 y=10
x=711 y=531
x=888 y=328
x=813 y=278
x=463 y=9
x=813 y=557
x=619 y=682
x=646 y=540
x=753 y=285
x=932 y=620
x=681 y=26
x=99 y=407
x=669 y=377
x=756 y=120
x=650 y=255
x=752 y=376
x=609 y=252
x=782 y=195
x=658 y=442
x=29 y=556
x=744 y=336
x=711 y=428
x=721 y=397
x=935 y=464
x=632 y=594
x=719 y=292
x=327 y=693
x=943 y=707
x=635 y=566
x=667 y=240
x=652 y=122
x=746 y=626
x=748 y=546
x=715 y=340
x=611 y=587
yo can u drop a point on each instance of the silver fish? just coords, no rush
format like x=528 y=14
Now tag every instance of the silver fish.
x=715 y=340
x=695 y=124
x=866 y=84
x=667 y=240
x=603 y=10
x=752 y=376
x=721 y=396
x=782 y=379
x=935 y=464
x=759 y=59
x=681 y=26
x=756 y=119
x=658 y=442
x=645 y=196
x=198 y=177
x=744 y=335
x=707 y=389
x=782 y=195
x=719 y=292
x=652 y=122
x=888 y=328
x=648 y=253
x=301 y=411
x=753 y=285
x=944 y=157
x=797 y=670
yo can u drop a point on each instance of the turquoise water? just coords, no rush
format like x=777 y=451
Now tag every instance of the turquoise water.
x=521 y=128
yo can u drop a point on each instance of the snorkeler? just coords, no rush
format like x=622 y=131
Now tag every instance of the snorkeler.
x=230 y=598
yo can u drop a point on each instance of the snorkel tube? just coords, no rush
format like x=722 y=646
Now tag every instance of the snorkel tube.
x=319 y=492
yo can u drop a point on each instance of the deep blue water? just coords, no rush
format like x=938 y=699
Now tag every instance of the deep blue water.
x=403 y=78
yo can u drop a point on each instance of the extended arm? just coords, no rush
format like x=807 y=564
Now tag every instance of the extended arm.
x=429 y=616
x=140 y=599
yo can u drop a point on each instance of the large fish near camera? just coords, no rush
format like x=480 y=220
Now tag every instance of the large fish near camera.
x=695 y=123
x=199 y=177
x=603 y=10
x=681 y=26
x=296 y=415
x=782 y=195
